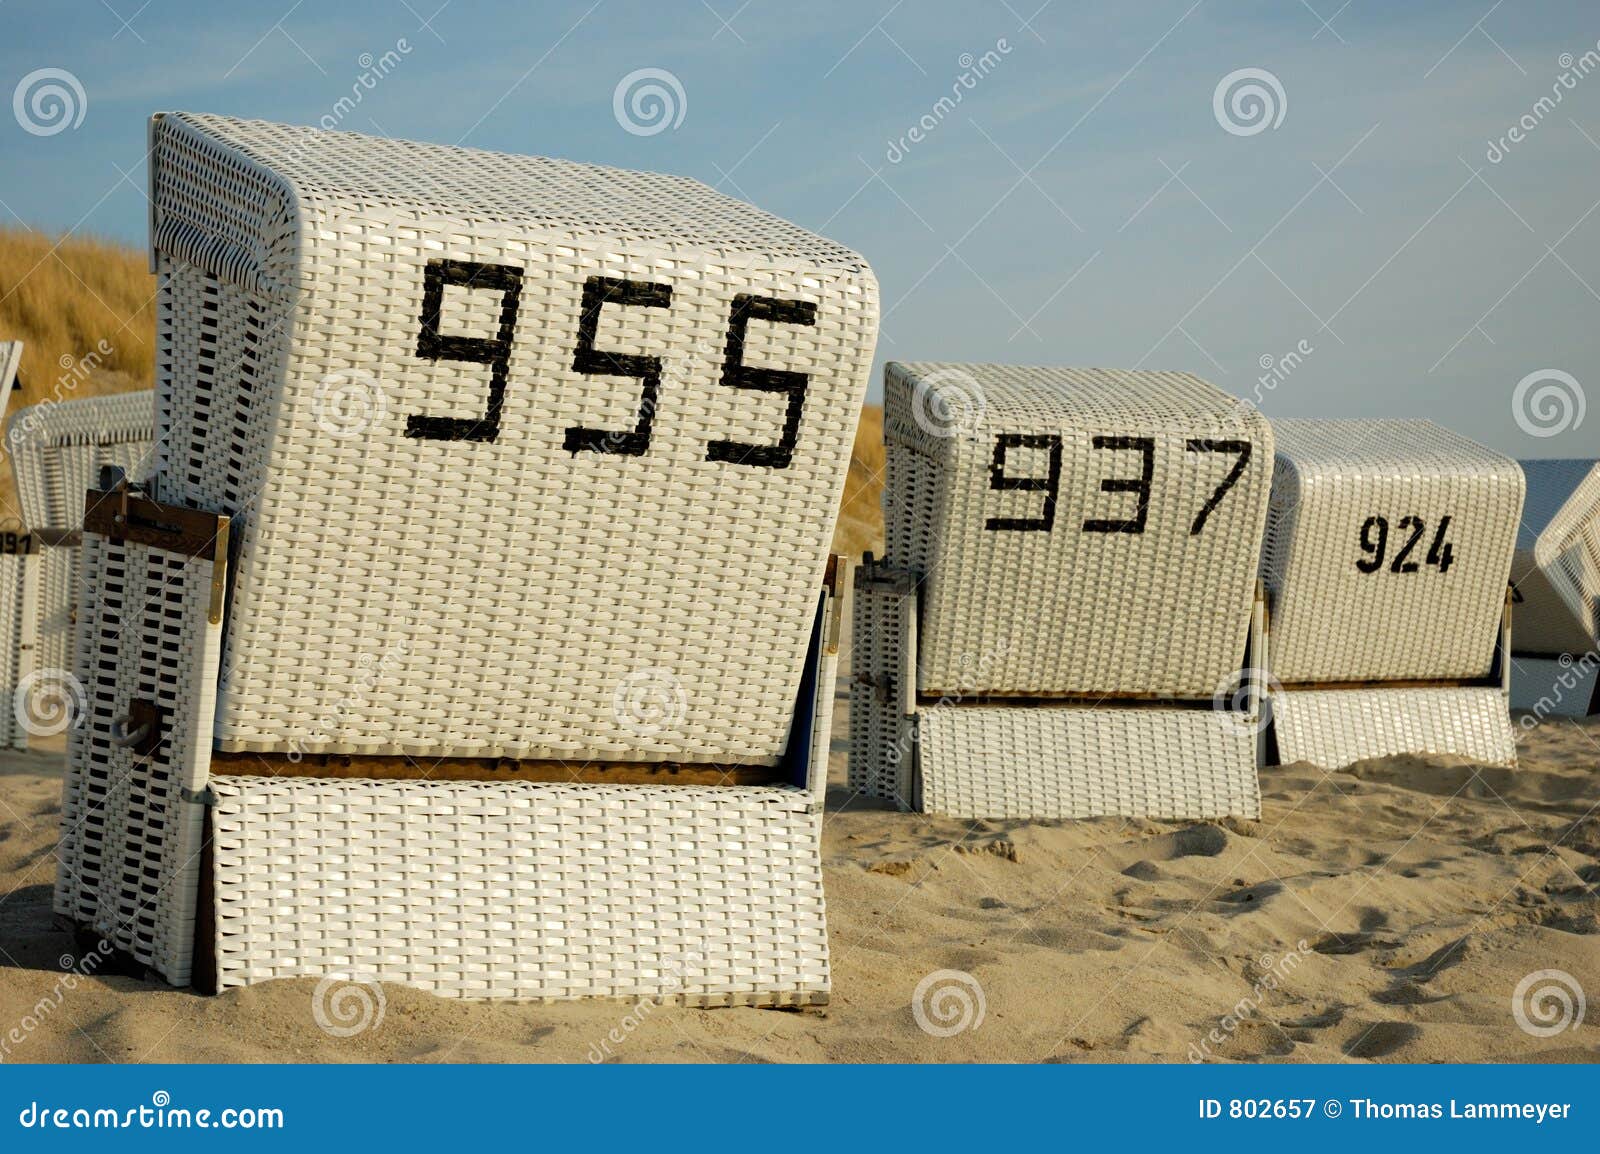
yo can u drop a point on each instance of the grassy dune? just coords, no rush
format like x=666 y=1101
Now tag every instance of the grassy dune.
x=85 y=312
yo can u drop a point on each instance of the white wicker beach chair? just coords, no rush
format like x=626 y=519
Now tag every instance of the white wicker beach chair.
x=1068 y=591
x=16 y=573
x=528 y=470
x=19 y=618
x=1555 y=665
x=1386 y=561
x=57 y=449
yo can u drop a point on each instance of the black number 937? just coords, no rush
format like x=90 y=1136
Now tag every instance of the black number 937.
x=1135 y=487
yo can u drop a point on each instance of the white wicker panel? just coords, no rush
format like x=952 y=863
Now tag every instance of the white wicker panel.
x=59 y=574
x=130 y=842
x=472 y=570
x=58 y=447
x=1071 y=588
x=1557 y=567
x=882 y=737
x=979 y=761
x=1565 y=686
x=10 y=360
x=1334 y=727
x=1333 y=482
x=475 y=889
x=16 y=661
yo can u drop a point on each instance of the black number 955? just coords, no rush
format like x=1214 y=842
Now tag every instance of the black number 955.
x=599 y=292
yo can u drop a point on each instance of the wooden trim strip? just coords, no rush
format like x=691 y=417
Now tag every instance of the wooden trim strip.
x=125 y=516
x=388 y=768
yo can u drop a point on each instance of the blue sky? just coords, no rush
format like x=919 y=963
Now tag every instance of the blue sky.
x=1083 y=204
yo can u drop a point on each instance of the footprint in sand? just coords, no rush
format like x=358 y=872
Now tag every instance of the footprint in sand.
x=1381 y=1039
x=1194 y=841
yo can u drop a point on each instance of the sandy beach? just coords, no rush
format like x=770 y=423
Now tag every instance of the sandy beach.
x=1387 y=912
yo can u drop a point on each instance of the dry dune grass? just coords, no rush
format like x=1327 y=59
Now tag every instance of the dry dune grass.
x=860 y=524
x=62 y=299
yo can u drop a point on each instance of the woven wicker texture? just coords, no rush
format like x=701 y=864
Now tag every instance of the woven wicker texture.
x=1557 y=567
x=882 y=737
x=130 y=843
x=973 y=760
x=1333 y=727
x=17 y=570
x=56 y=620
x=1064 y=762
x=472 y=889
x=648 y=515
x=10 y=359
x=1077 y=531
x=58 y=447
x=1387 y=553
